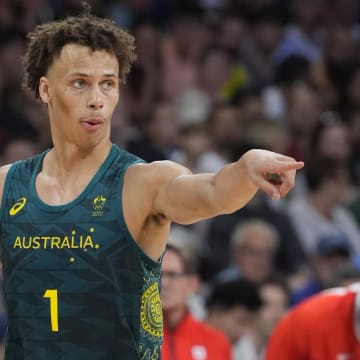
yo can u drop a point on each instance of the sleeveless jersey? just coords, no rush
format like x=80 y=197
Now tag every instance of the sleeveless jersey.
x=76 y=284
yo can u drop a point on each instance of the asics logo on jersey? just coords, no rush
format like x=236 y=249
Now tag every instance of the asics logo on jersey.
x=18 y=206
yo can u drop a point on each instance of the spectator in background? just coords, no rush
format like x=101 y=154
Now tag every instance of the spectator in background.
x=193 y=108
x=253 y=246
x=302 y=115
x=226 y=133
x=159 y=135
x=194 y=141
x=330 y=138
x=250 y=104
x=289 y=256
x=322 y=210
x=277 y=96
x=232 y=307
x=37 y=118
x=184 y=336
x=12 y=47
x=142 y=90
x=17 y=149
x=333 y=252
x=332 y=74
x=14 y=122
x=215 y=72
x=257 y=49
x=216 y=75
x=230 y=31
x=275 y=295
x=303 y=35
x=262 y=132
x=181 y=52
x=323 y=327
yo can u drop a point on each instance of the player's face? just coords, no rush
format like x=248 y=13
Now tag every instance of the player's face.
x=81 y=89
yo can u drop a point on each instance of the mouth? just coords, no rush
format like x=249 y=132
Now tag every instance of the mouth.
x=92 y=123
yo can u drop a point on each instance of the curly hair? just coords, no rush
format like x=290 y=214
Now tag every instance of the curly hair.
x=47 y=41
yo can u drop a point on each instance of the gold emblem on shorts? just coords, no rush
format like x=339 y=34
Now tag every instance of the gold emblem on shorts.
x=151 y=311
x=18 y=206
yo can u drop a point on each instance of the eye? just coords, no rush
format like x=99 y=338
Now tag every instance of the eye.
x=108 y=84
x=79 y=83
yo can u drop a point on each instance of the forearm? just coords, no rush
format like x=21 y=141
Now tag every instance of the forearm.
x=232 y=187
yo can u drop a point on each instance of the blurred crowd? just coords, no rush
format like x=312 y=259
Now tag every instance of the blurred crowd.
x=213 y=79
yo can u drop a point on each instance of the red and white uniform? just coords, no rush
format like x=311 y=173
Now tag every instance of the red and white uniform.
x=194 y=340
x=324 y=327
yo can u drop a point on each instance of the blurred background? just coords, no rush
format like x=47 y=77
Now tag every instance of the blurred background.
x=213 y=79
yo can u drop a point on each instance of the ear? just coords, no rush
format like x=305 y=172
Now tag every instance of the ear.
x=44 y=90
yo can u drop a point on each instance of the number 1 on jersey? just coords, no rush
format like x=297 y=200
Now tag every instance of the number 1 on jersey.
x=54 y=314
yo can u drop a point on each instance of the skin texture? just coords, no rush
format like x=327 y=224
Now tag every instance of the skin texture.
x=81 y=90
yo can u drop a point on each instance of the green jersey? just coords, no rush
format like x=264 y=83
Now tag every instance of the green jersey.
x=76 y=284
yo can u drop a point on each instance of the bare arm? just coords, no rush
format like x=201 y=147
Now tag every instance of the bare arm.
x=162 y=192
x=190 y=198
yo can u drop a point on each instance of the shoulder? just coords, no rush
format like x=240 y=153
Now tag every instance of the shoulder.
x=3 y=173
x=315 y=311
x=143 y=182
x=326 y=314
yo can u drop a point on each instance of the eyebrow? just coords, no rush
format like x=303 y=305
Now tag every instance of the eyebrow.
x=108 y=75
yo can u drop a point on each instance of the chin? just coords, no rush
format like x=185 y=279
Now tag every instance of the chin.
x=91 y=142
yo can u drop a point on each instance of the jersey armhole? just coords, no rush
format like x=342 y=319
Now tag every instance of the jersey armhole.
x=121 y=218
x=6 y=189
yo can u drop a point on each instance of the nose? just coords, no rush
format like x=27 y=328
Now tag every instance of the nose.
x=95 y=100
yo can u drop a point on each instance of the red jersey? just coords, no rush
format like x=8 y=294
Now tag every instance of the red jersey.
x=194 y=340
x=323 y=327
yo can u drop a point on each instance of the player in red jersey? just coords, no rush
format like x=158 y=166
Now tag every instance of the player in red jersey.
x=324 y=327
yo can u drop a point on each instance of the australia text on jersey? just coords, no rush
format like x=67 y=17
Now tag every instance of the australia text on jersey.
x=73 y=241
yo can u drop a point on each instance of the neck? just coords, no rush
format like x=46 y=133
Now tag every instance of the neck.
x=173 y=317
x=71 y=163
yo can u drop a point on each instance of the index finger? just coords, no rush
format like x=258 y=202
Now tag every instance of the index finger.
x=282 y=166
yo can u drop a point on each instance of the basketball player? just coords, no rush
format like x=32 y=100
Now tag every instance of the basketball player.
x=83 y=225
x=324 y=327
